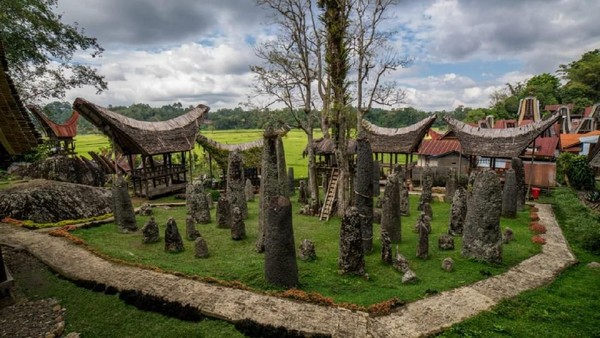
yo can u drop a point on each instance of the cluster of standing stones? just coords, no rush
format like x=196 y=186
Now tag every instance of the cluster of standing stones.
x=475 y=215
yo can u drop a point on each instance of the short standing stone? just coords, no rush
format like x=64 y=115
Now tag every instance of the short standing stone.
x=446 y=242
x=409 y=277
x=386 y=248
x=509 y=195
x=205 y=201
x=458 y=212
x=173 y=241
x=482 y=238
x=451 y=185
x=517 y=165
x=377 y=216
x=201 y=248
x=150 y=232
x=281 y=268
x=191 y=233
x=351 y=259
x=223 y=213
x=390 y=212
x=401 y=263
x=404 y=202
x=424 y=227
x=448 y=264
x=249 y=191
x=238 y=227
x=509 y=236
x=122 y=206
x=236 y=183
x=291 y=180
x=427 y=185
x=302 y=193
x=146 y=210
x=307 y=250
x=197 y=203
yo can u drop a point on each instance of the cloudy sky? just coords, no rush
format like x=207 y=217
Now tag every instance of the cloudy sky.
x=199 y=51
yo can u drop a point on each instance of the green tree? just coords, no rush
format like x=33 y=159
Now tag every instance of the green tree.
x=545 y=87
x=583 y=77
x=40 y=48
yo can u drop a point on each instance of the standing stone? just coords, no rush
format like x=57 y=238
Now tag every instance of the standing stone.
x=426 y=208
x=376 y=176
x=363 y=190
x=451 y=185
x=448 y=264
x=517 y=165
x=424 y=227
x=150 y=232
x=191 y=233
x=223 y=213
x=404 y=202
x=427 y=185
x=351 y=259
x=197 y=203
x=390 y=213
x=281 y=268
x=509 y=236
x=290 y=175
x=446 y=242
x=238 y=227
x=146 y=209
x=210 y=201
x=409 y=277
x=401 y=263
x=482 y=238
x=236 y=183
x=307 y=250
x=269 y=183
x=509 y=195
x=122 y=206
x=458 y=212
x=201 y=248
x=281 y=169
x=204 y=202
x=173 y=241
x=249 y=191
x=386 y=248
x=302 y=193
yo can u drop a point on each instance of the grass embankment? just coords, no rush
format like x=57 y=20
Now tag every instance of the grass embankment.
x=231 y=260
x=570 y=306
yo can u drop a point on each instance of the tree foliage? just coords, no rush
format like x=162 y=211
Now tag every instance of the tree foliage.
x=40 y=50
x=583 y=76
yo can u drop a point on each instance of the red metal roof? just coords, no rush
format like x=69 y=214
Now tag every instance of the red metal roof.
x=434 y=134
x=554 y=107
x=545 y=147
x=439 y=147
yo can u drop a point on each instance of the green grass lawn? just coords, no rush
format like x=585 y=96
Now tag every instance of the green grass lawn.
x=231 y=260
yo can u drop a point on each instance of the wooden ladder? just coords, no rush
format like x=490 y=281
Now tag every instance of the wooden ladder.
x=330 y=196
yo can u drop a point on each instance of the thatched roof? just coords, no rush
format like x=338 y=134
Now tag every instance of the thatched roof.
x=326 y=146
x=251 y=151
x=502 y=143
x=142 y=137
x=17 y=132
x=404 y=140
x=53 y=129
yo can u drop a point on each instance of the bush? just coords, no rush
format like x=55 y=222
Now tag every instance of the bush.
x=562 y=166
x=581 y=175
x=588 y=233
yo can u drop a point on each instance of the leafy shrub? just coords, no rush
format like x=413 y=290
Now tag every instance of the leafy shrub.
x=581 y=175
x=588 y=233
x=562 y=166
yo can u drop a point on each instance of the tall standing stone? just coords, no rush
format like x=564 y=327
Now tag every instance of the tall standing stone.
x=427 y=185
x=249 y=190
x=223 y=213
x=509 y=195
x=376 y=176
x=173 y=241
x=197 y=203
x=517 y=165
x=150 y=232
x=292 y=184
x=352 y=258
x=363 y=190
x=281 y=268
x=482 y=237
x=236 y=183
x=302 y=193
x=386 y=248
x=282 y=169
x=191 y=233
x=426 y=208
x=458 y=212
x=404 y=202
x=390 y=211
x=451 y=185
x=238 y=227
x=269 y=183
x=424 y=227
x=122 y=206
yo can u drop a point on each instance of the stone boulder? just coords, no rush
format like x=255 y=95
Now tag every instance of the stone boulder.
x=307 y=250
x=150 y=232
x=173 y=241
x=66 y=169
x=44 y=201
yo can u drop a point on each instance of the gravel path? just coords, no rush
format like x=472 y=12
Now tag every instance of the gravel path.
x=419 y=318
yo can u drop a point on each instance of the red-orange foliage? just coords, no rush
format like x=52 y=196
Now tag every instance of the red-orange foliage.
x=534 y=217
x=64 y=233
x=537 y=228
x=11 y=220
x=538 y=239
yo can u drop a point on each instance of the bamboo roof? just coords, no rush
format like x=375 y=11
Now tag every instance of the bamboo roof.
x=251 y=151
x=142 y=137
x=501 y=143
x=17 y=132
x=53 y=129
x=404 y=140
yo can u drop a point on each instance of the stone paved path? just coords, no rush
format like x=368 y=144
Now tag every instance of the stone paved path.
x=419 y=318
